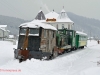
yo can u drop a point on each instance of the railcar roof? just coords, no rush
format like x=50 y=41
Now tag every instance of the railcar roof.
x=81 y=33
x=37 y=24
x=77 y=32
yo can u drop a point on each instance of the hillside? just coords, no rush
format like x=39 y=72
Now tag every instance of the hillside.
x=12 y=22
x=87 y=25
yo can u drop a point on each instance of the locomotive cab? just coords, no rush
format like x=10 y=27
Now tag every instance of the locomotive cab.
x=66 y=39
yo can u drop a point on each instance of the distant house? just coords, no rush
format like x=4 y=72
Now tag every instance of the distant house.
x=4 y=33
x=57 y=20
x=3 y=27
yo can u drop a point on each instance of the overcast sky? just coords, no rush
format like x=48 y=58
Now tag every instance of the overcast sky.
x=28 y=9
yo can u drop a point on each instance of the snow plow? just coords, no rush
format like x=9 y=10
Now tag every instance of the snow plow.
x=36 y=40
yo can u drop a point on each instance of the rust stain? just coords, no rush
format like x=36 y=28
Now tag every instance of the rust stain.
x=25 y=43
x=24 y=53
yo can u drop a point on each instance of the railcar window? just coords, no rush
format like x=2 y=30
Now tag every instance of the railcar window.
x=23 y=30
x=34 y=31
x=80 y=37
x=70 y=33
x=60 y=32
x=66 y=32
x=31 y=31
x=84 y=38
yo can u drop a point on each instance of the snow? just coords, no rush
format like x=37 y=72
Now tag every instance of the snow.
x=11 y=36
x=82 y=33
x=80 y=62
x=3 y=26
x=8 y=31
x=91 y=71
x=57 y=16
x=63 y=10
x=52 y=15
x=6 y=52
x=37 y=24
x=3 y=29
x=63 y=17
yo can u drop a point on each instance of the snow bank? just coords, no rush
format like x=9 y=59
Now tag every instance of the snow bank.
x=67 y=64
x=91 y=43
x=91 y=71
x=6 y=51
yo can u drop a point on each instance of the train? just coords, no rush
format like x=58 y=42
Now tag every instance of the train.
x=44 y=41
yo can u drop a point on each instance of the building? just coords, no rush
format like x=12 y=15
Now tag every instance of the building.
x=4 y=33
x=57 y=20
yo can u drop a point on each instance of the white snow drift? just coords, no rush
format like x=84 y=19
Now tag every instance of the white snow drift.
x=80 y=62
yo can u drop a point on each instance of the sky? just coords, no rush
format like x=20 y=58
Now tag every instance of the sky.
x=28 y=9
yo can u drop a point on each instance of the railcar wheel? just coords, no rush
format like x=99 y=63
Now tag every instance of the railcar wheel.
x=83 y=47
x=20 y=60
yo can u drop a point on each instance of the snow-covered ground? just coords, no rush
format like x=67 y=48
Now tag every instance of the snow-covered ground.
x=80 y=62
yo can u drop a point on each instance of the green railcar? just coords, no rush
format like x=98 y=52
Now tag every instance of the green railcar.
x=65 y=39
x=70 y=39
x=81 y=40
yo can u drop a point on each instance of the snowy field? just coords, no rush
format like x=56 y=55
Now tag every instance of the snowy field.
x=80 y=62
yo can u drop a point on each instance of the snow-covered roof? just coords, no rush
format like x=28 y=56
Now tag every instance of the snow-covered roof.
x=63 y=17
x=37 y=24
x=52 y=15
x=11 y=36
x=81 y=33
x=2 y=29
x=3 y=25
x=63 y=10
